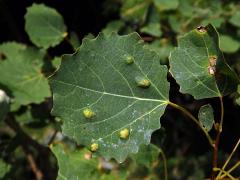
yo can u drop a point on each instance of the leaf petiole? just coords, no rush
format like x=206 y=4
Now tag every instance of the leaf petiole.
x=187 y=113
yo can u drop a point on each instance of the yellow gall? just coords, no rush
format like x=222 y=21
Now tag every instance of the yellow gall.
x=129 y=59
x=142 y=82
x=94 y=147
x=124 y=133
x=88 y=113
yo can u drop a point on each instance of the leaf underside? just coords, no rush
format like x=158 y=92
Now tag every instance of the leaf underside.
x=98 y=78
x=190 y=63
x=206 y=117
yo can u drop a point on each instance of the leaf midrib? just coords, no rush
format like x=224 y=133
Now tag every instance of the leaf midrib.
x=112 y=94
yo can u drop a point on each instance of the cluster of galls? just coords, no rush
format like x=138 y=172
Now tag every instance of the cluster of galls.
x=124 y=133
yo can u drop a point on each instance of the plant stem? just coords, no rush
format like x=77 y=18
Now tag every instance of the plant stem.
x=187 y=113
x=230 y=170
x=229 y=158
x=222 y=114
x=215 y=155
x=164 y=164
x=216 y=143
x=225 y=173
x=33 y=165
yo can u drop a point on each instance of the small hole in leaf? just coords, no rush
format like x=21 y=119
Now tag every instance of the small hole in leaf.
x=213 y=61
x=201 y=29
x=2 y=57
x=211 y=70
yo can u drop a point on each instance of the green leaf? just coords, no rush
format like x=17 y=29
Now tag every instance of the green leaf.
x=21 y=75
x=74 y=41
x=199 y=67
x=4 y=168
x=162 y=48
x=4 y=104
x=148 y=154
x=153 y=29
x=135 y=9
x=74 y=164
x=228 y=44
x=163 y=5
x=206 y=116
x=45 y=26
x=235 y=19
x=111 y=84
x=113 y=26
x=56 y=62
x=217 y=22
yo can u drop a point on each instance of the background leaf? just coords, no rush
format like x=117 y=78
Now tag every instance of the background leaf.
x=21 y=75
x=135 y=9
x=45 y=26
x=206 y=116
x=148 y=154
x=199 y=67
x=166 y=4
x=152 y=29
x=228 y=44
x=73 y=164
x=103 y=94
x=235 y=19
x=4 y=168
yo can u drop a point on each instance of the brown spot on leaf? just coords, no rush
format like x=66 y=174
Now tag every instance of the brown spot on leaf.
x=212 y=65
x=2 y=57
x=201 y=29
x=213 y=61
x=211 y=70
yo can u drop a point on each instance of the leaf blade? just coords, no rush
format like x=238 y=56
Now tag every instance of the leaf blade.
x=199 y=66
x=21 y=75
x=110 y=90
x=206 y=117
x=44 y=25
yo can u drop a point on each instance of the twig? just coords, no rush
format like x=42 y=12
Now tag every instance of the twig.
x=216 y=143
x=226 y=173
x=25 y=142
x=229 y=158
x=230 y=170
x=165 y=164
x=33 y=165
